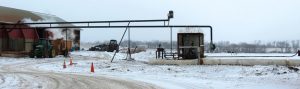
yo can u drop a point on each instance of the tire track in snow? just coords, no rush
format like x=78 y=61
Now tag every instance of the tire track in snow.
x=26 y=77
x=2 y=79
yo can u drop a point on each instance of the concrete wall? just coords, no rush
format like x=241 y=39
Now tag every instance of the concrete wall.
x=252 y=61
x=232 y=61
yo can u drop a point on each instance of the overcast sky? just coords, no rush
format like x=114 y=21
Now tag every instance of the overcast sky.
x=232 y=20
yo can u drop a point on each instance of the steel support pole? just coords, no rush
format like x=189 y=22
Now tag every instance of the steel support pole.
x=129 y=52
x=121 y=41
x=66 y=51
x=211 y=35
x=171 y=39
x=211 y=39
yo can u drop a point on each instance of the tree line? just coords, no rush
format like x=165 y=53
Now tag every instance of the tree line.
x=226 y=46
x=258 y=47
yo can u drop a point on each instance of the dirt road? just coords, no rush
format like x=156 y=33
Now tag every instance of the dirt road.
x=23 y=76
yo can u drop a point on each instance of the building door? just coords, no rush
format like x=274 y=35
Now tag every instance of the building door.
x=5 y=40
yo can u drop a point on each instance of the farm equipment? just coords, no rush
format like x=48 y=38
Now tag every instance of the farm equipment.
x=112 y=46
x=101 y=47
x=42 y=49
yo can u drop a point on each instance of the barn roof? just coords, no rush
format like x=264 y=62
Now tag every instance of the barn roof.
x=12 y=15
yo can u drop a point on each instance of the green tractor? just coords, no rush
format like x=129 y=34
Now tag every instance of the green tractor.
x=42 y=49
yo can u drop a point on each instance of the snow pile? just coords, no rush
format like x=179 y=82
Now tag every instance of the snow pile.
x=96 y=54
x=144 y=56
x=141 y=56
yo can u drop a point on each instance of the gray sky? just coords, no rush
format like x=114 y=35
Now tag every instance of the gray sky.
x=232 y=20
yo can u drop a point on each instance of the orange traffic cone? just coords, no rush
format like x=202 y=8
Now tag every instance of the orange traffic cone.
x=64 y=66
x=71 y=62
x=92 y=68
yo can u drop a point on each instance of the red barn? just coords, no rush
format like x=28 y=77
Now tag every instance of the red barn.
x=20 y=41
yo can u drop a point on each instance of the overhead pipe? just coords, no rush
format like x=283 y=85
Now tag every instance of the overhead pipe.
x=88 y=22
x=170 y=15
x=141 y=26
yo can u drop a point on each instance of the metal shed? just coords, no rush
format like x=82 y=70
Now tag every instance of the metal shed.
x=189 y=45
x=20 y=41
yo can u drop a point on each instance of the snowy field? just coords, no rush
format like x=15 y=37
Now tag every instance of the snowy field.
x=166 y=76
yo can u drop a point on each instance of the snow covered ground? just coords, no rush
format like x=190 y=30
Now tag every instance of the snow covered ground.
x=180 y=76
x=171 y=76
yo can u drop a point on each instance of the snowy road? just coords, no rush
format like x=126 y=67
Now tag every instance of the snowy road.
x=21 y=75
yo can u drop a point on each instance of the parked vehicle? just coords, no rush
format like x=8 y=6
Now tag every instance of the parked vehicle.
x=111 y=47
x=42 y=49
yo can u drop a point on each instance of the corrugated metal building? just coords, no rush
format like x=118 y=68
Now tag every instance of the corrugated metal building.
x=17 y=41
